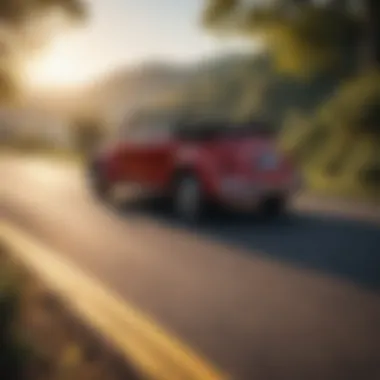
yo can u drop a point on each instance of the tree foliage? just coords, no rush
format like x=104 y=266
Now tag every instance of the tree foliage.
x=303 y=36
x=355 y=108
x=342 y=136
x=22 y=28
x=17 y=13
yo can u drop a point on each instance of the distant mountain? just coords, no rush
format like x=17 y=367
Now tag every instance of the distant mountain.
x=235 y=85
x=218 y=83
x=128 y=89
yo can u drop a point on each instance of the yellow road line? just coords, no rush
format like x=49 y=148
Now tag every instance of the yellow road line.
x=157 y=353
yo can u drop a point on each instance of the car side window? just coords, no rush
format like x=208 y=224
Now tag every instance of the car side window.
x=152 y=131
x=136 y=132
x=130 y=132
x=160 y=131
x=147 y=129
x=124 y=131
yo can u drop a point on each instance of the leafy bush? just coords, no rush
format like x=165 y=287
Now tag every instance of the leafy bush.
x=339 y=145
x=13 y=351
x=355 y=108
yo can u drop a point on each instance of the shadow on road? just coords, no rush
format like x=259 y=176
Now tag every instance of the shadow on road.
x=333 y=245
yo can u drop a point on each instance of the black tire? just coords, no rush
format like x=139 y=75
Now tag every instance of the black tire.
x=188 y=200
x=272 y=208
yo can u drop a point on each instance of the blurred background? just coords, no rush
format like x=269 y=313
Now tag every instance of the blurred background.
x=72 y=70
x=294 y=297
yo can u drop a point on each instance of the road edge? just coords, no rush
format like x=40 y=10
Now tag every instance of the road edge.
x=154 y=351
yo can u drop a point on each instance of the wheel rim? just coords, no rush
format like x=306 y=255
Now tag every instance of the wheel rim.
x=188 y=198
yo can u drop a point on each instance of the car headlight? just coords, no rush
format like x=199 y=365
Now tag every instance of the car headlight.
x=268 y=161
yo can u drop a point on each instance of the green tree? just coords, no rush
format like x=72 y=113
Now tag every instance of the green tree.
x=24 y=26
x=303 y=35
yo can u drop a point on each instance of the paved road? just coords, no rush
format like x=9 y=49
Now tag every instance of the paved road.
x=294 y=299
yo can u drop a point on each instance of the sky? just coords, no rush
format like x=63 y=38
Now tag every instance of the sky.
x=125 y=32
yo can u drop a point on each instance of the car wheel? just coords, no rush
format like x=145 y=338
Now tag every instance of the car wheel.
x=188 y=199
x=272 y=208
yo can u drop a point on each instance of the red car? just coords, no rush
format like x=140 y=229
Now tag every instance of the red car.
x=194 y=164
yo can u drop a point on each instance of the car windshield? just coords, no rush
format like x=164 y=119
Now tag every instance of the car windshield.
x=215 y=129
x=160 y=123
x=146 y=123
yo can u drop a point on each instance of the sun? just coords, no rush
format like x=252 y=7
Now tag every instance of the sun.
x=57 y=67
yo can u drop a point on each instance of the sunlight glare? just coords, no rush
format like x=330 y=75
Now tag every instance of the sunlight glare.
x=59 y=67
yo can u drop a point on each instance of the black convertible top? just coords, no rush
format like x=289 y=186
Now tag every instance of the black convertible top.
x=206 y=130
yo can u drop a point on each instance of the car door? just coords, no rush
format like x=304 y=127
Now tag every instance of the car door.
x=131 y=153
x=157 y=149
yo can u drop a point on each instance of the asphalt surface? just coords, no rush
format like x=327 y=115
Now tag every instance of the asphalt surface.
x=292 y=299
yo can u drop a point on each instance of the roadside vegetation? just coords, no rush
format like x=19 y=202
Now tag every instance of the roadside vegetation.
x=326 y=59
x=14 y=353
x=40 y=339
x=338 y=145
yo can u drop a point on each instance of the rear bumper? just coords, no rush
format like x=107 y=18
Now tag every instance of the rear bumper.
x=249 y=197
x=254 y=201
